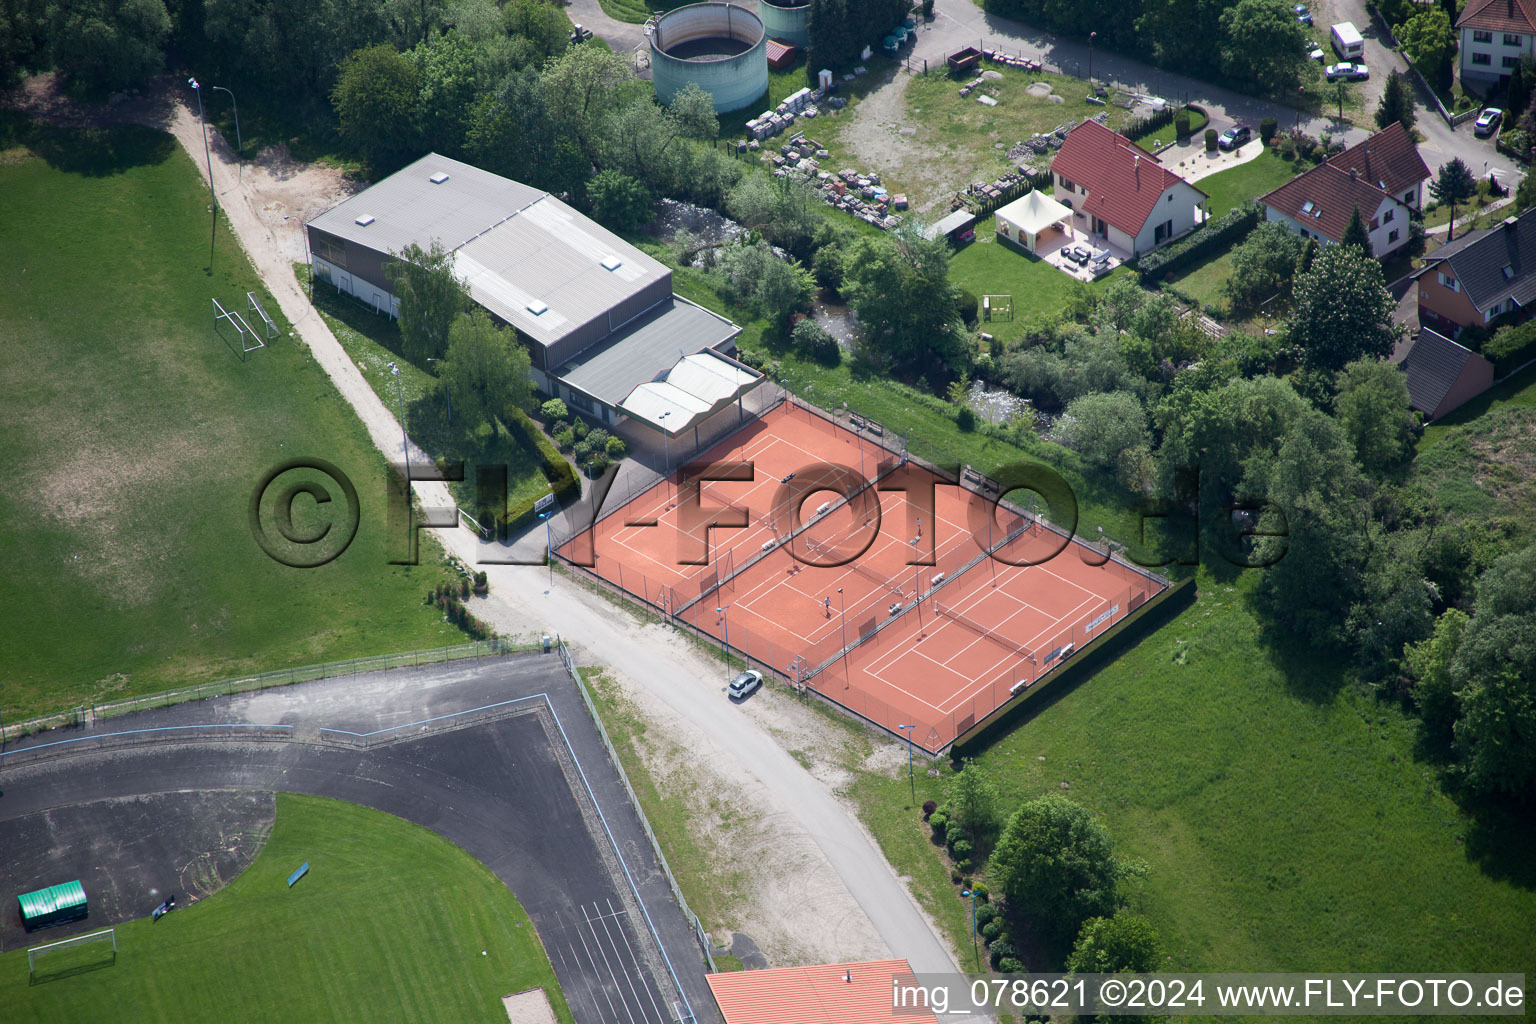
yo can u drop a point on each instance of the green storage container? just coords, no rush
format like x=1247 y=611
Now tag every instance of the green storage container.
x=53 y=905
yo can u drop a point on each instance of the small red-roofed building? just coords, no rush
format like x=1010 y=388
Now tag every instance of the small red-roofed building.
x=1120 y=193
x=852 y=993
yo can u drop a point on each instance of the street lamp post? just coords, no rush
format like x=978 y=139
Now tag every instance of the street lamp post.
x=1091 y=37
x=724 y=611
x=549 y=545
x=207 y=156
x=1302 y=93
x=911 y=778
x=975 y=953
x=239 y=142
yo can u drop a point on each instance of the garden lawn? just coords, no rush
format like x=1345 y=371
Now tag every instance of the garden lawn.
x=1204 y=281
x=988 y=267
x=1264 y=173
x=134 y=438
x=388 y=925
x=1283 y=818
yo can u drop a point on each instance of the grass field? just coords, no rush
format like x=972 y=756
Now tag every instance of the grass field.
x=134 y=439
x=1203 y=281
x=388 y=925
x=1284 y=819
x=1262 y=174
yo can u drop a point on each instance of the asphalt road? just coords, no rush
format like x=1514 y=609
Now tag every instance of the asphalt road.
x=532 y=796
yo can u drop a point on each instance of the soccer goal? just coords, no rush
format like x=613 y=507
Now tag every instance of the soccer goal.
x=996 y=307
x=255 y=306
x=247 y=339
x=99 y=957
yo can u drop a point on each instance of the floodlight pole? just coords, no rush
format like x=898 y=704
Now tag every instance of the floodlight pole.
x=724 y=611
x=911 y=778
x=208 y=156
x=239 y=142
x=405 y=440
x=666 y=443
x=842 y=604
x=917 y=585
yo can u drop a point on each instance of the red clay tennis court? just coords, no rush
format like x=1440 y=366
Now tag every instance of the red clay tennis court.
x=902 y=596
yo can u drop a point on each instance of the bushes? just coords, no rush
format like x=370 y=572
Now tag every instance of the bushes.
x=554 y=411
x=939 y=822
x=965 y=419
x=961 y=850
x=817 y=342
x=561 y=477
x=450 y=598
x=1511 y=346
x=968 y=306
x=1267 y=129
x=1214 y=235
x=991 y=930
x=928 y=808
x=999 y=950
x=986 y=913
x=1210 y=140
x=1181 y=124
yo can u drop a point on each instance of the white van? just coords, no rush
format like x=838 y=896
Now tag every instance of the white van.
x=1347 y=41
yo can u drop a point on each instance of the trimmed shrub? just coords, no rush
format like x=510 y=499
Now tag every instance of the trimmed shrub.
x=953 y=834
x=1181 y=124
x=616 y=447
x=939 y=822
x=968 y=306
x=1510 y=346
x=964 y=867
x=965 y=419
x=1223 y=231
x=961 y=850
x=986 y=913
x=955 y=876
x=1210 y=140
x=928 y=808
x=1267 y=129
x=998 y=949
x=982 y=892
x=554 y=411
x=1010 y=965
x=965 y=882
x=565 y=437
x=991 y=930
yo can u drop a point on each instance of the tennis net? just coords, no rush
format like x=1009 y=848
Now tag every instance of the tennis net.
x=980 y=630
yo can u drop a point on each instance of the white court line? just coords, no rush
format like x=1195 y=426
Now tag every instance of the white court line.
x=622 y=1001
x=629 y=947
x=587 y=977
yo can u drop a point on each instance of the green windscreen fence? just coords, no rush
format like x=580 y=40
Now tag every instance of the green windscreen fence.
x=55 y=903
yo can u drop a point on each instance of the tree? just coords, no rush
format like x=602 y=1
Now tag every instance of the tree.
x=1373 y=409
x=1396 y=102
x=1453 y=184
x=431 y=299
x=832 y=40
x=486 y=371
x=1494 y=676
x=1428 y=38
x=306 y=39
x=1304 y=261
x=1429 y=665
x=754 y=277
x=1057 y=866
x=972 y=796
x=108 y=44
x=583 y=88
x=899 y=286
x=1263 y=264
x=694 y=110
x=1355 y=234
x=1108 y=945
x=1264 y=43
x=619 y=201
x=375 y=99
x=1343 y=309
x=1101 y=426
x=817 y=342
x=1517 y=91
x=541 y=23
x=785 y=211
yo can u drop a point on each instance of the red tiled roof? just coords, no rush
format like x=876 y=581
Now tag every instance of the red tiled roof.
x=1124 y=181
x=813 y=995
x=1388 y=159
x=1333 y=195
x=1498 y=16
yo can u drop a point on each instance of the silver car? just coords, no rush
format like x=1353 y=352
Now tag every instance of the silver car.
x=745 y=684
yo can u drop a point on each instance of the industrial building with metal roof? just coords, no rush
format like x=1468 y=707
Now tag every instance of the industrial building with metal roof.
x=597 y=314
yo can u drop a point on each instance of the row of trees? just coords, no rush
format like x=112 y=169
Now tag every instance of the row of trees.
x=840 y=29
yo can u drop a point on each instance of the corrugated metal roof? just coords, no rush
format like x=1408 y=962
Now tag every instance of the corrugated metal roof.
x=695 y=387
x=52 y=899
x=814 y=995
x=557 y=256
x=646 y=349
x=407 y=207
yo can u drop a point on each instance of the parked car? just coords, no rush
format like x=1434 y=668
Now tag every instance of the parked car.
x=1488 y=122
x=745 y=684
x=1346 y=72
x=1236 y=136
x=1302 y=14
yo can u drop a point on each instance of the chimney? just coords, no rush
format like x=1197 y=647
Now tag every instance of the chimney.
x=848 y=977
x=1353 y=174
x=1510 y=223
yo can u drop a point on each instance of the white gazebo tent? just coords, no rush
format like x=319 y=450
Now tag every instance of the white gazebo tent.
x=1024 y=220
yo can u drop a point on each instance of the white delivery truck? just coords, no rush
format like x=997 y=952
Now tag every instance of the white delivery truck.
x=1347 y=41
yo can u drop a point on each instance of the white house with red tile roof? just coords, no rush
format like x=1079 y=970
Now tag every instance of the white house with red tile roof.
x=1320 y=203
x=1389 y=160
x=1495 y=34
x=1120 y=193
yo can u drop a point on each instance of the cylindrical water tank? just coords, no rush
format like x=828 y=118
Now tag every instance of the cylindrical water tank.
x=722 y=47
x=788 y=21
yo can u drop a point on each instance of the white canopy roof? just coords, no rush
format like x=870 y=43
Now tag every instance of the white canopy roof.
x=694 y=387
x=1033 y=213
